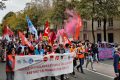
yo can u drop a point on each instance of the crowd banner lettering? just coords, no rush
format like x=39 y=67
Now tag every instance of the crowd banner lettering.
x=32 y=67
x=106 y=53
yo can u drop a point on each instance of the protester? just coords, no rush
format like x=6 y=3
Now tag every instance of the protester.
x=116 y=63
x=10 y=63
x=73 y=50
x=89 y=56
x=39 y=50
x=80 y=56
x=19 y=51
x=95 y=52
x=27 y=51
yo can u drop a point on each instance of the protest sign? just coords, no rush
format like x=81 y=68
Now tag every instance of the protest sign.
x=32 y=67
x=106 y=53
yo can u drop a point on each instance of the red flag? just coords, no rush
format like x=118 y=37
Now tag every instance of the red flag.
x=52 y=37
x=7 y=31
x=78 y=28
x=40 y=36
x=25 y=41
x=65 y=38
x=47 y=29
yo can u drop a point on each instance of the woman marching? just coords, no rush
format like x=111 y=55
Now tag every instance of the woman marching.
x=10 y=63
x=89 y=56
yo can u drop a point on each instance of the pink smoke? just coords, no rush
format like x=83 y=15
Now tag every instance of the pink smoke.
x=71 y=22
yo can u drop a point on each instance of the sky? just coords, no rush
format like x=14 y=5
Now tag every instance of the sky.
x=13 y=5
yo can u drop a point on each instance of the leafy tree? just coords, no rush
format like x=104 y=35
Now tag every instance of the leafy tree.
x=107 y=9
x=58 y=12
x=97 y=9
x=9 y=14
x=2 y=5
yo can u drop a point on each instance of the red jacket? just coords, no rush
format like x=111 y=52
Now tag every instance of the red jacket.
x=10 y=63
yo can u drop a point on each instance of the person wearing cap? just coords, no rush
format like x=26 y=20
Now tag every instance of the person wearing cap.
x=116 y=63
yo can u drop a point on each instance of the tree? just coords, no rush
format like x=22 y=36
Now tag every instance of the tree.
x=59 y=8
x=98 y=9
x=86 y=8
x=9 y=14
x=107 y=9
x=2 y=5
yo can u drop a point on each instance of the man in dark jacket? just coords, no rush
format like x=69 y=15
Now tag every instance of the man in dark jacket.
x=116 y=63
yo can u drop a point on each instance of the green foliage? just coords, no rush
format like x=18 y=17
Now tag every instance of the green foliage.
x=56 y=15
x=98 y=8
x=8 y=15
x=2 y=5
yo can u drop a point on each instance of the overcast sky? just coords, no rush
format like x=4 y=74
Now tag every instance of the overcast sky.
x=13 y=5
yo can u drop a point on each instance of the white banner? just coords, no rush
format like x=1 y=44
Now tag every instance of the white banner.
x=33 y=67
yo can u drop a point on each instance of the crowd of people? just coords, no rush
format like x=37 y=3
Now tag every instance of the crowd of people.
x=83 y=51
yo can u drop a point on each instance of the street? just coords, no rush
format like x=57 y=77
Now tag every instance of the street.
x=103 y=71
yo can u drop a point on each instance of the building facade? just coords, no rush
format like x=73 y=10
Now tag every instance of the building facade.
x=112 y=31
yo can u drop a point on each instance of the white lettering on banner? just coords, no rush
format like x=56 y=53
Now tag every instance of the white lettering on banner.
x=33 y=67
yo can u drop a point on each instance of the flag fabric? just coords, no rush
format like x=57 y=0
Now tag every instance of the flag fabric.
x=47 y=29
x=25 y=41
x=78 y=28
x=46 y=35
x=31 y=27
x=65 y=38
x=7 y=32
x=40 y=36
x=52 y=37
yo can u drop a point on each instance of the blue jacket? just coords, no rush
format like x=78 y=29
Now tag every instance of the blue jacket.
x=39 y=52
x=116 y=62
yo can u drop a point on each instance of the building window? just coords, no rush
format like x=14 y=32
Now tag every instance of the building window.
x=99 y=23
x=85 y=25
x=110 y=37
x=99 y=38
x=85 y=36
x=110 y=22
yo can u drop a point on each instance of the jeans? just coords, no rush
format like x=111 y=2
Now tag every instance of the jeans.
x=74 y=64
x=10 y=75
x=80 y=65
x=89 y=59
x=96 y=57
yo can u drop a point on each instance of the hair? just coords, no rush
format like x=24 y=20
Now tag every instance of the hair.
x=25 y=50
x=50 y=48
x=19 y=50
x=67 y=45
x=10 y=51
